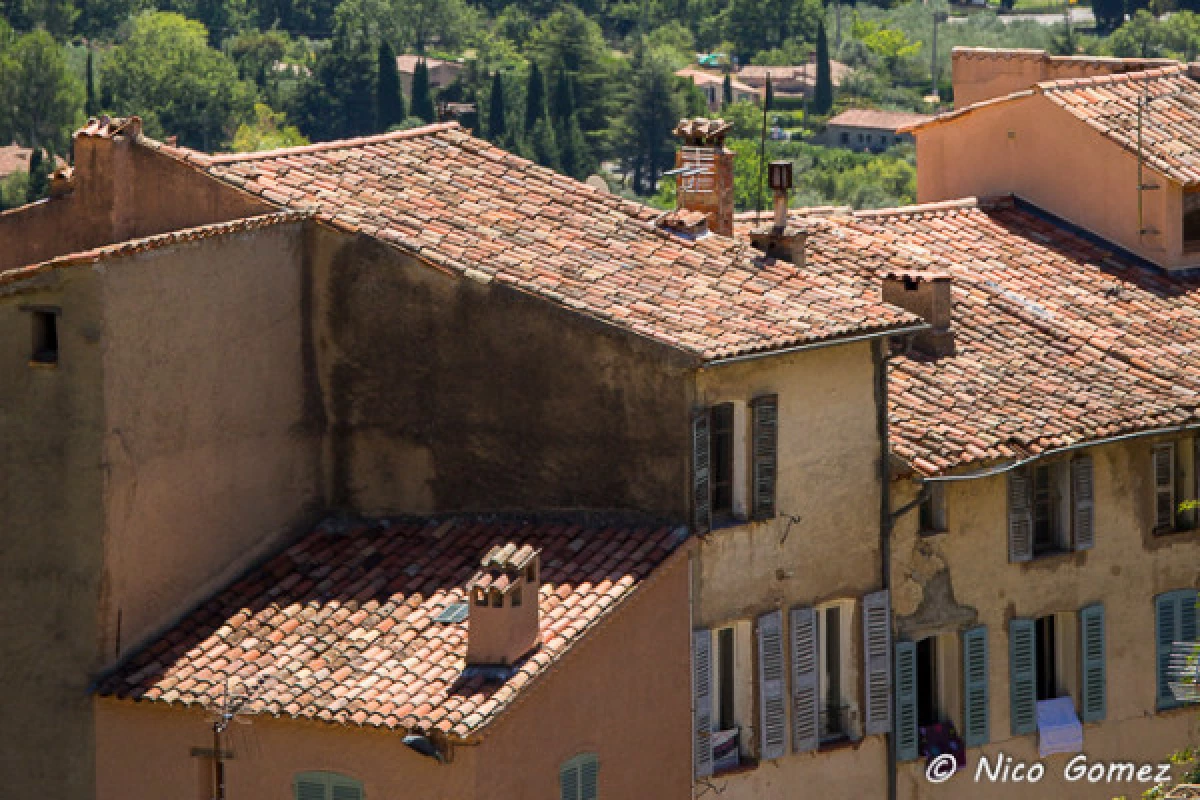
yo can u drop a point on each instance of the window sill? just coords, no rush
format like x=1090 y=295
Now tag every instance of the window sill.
x=1174 y=531
x=44 y=364
x=934 y=531
x=843 y=742
x=727 y=521
x=748 y=765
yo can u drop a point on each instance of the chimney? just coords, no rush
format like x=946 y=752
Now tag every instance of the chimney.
x=503 y=597
x=781 y=239
x=705 y=170
x=926 y=294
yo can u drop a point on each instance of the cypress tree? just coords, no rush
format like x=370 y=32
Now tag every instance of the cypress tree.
x=535 y=98
x=727 y=91
x=89 y=103
x=39 y=176
x=572 y=149
x=496 y=110
x=422 y=99
x=389 y=99
x=543 y=144
x=823 y=91
x=562 y=102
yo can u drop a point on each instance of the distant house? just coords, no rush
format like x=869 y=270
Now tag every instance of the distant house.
x=862 y=129
x=712 y=85
x=441 y=73
x=794 y=81
x=14 y=158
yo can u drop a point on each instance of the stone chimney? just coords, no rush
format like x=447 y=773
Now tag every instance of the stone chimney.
x=503 y=595
x=705 y=172
x=926 y=294
x=781 y=239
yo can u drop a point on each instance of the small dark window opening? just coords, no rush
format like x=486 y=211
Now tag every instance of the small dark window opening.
x=834 y=723
x=516 y=598
x=1047 y=676
x=725 y=719
x=531 y=574
x=1045 y=510
x=721 y=458
x=927 y=682
x=45 y=337
x=933 y=509
x=497 y=600
x=1191 y=221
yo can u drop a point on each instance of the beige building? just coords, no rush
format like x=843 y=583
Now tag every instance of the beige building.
x=797 y=81
x=712 y=85
x=441 y=72
x=868 y=129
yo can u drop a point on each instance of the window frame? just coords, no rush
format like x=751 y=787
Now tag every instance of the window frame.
x=932 y=510
x=45 y=346
x=845 y=700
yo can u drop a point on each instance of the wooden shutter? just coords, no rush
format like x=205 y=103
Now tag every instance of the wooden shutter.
x=1020 y=517
x=806 y=694
x=568 y=781
x=311 y=787
x=1082 y=494
x=589 y=778
x=701 y=475
x=772 y=706
x=877 y=657
x=1022 y=657
x=1094 y=702
x=346 y=790
x=976 y=712
x=1174 y=621
x=766 y=447
x=906 y=701
x=702 y=702
x=1164 y=486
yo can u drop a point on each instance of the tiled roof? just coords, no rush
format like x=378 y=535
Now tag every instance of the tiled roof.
x=463 y=205
x=155 y=242
x=874 y=118
x=1171 y=120
x=1059 y=339
x=702 y=77
x=341 y=626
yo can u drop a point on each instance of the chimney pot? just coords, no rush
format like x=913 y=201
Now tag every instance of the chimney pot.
x=928 y=295
x=502 y=600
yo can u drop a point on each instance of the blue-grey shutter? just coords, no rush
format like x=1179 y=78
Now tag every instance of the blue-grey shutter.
x=1022 y=656
x=1020 y=516
x=806 y=694
x=589 y=778
x=1094 y=702
x=877 y=662
x=311 y=788
x=702 y=702
x=906 y=701
x=1166 y=628
x=701 y=483
x=1187 y=615
x=344 y=789
x=568 y=781
x=766 y=447
x=772 y=705
x=976 y=712
x=1082 y=494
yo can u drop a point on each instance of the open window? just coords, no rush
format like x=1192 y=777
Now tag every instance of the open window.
x=933 y=509
x=1191 y=222
x=1051 y=508
x=834 y=682
x=721 y=452
x=44 y=335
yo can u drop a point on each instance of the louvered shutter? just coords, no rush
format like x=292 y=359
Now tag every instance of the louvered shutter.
x=702 y=702
x=877 y=657
x=701 y=477
x=772 y=706
x=589 y=778
x=309 y=788
x=568 y=781
x=906 y=701
x=976 y=711
x=1164 y=486
x=1020 y=517
x=766 y=446
x=347 y=790
x=806 y=695
x=1022 y=656
x=1166 y=627
x=1094 y=701
x=1082 y=494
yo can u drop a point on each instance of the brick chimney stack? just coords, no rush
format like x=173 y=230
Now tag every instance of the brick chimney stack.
x=503 y=595
x=926 y=294
x=707 y=184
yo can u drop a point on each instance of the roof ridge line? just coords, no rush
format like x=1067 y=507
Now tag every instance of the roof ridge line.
x=336 y=144
x=958 y=204
x=1164 y=71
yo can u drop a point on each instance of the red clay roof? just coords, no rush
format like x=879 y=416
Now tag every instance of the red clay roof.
x=874 y=118
x=466 y=206
x=340 y=628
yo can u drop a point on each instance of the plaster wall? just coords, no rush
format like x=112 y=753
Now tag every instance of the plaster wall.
x=213 y=428
x=1042 y=154
x=947 y=582
x=51 y=529
x=448 y=394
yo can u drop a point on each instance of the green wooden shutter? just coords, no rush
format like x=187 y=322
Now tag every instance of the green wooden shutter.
x=806 y=695
x=1083 y=513
x=766 y=447
x=589 y=778
x=907 y=740
x=877 y=657
x=345 y=789
x=976 y=713
x=1166 y=628
x=310 y=787
x=1094 y=702
x=1020 y=517
x=1022 y=656
x=701 y=482
x=772 y=705
x=702 y=702
x=568 y=781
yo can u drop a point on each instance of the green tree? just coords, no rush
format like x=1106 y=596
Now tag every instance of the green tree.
x=40 y=101
x=166 y=72
x=823 y=91
x=1143 y=36
x=268 y=132
x=389 y=99
x=497 y=128
x=1109 y=13
x=573 y=150
x=535 y=98
x=422 y=97
x=90 y=108
x=543 y=144
x=645 y=139
x=39 y=175
x=55 y=16
x=727 y=91
x=569 y=42
x=256 y=53
x=562 y=100
x=338 y=99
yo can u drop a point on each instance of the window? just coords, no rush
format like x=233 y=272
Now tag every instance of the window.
x=1047 y=507
x=721 y=662
x=845 y=138
x=927 y=681
x=725 y=663
x=1174 y=621
x=1045 y=661
x=832 y=647
x=1045 y=649
x=928 y=690
x=933 y=509
x=1191 y=221
x=579 y=778
x=44 y=322
x=1050 y=509
x=326 y=786
x=1164 y=487
x=721 y=458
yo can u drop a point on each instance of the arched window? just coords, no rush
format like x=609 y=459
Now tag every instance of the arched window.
x=579 y=778
x=327 y=786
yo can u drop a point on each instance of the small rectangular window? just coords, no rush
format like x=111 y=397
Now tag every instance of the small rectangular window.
x=833 y=710
x=45 y=336
x=1047 y=668
x=721 y=458
x=929 y=710
x=933 y=509
x=725 y=680
x=1164 y=487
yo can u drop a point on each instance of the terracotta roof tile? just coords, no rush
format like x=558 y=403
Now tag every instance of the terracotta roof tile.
x=363 y=646
x=874 y=118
